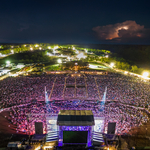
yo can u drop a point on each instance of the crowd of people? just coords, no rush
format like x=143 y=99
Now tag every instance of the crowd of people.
x=125 y=89
x=125 y=117
x=22 y=90
x=26 y=95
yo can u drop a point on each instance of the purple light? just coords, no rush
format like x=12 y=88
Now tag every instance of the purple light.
x=75 y=128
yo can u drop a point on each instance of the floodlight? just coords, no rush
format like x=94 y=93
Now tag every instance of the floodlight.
x=77 y=52
x=112 y=65
x=68 y=58
x=85 y=50
x=55 y=47
x=145 y=74
x=59 y=61
x=12 y=51
x=7 y=62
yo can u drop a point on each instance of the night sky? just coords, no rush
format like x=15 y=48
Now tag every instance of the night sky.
x=75 y=21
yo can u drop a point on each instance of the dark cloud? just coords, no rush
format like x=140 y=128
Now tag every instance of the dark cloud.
x=122 y=32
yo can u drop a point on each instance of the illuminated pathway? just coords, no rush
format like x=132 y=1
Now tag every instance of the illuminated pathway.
x=52 y=88
x=86 y=87
x=64 y=88
x=75 y=95
x=4 y=76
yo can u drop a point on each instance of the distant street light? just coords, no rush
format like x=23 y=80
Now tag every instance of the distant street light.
x=12 y=51
x=85 y=51
x=145 y=74
x=68 y=58
x=59 y=61
x=126 y=72
x=55 y=47
x=49 y=47
x=8 y=62
x=36 y=45
x=112 y=65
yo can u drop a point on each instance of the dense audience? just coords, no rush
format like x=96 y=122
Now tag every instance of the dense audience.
x=26 y=95
x=125 y=117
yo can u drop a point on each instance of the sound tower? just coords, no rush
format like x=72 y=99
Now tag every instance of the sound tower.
x=38 y=128
x=111 y=128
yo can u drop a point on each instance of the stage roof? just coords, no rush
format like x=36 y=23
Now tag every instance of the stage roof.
x=75 y=118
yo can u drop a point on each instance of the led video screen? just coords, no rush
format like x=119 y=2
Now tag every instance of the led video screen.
x=75 y=136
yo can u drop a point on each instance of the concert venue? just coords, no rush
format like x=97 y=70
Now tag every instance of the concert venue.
x=84 y=109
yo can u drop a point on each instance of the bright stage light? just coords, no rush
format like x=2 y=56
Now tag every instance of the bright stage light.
x=45 y=147
x=31 y=48
x=40 y=48
x=38 y=148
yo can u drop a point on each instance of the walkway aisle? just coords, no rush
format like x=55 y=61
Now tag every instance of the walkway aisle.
x=52 y=89
x=86 y=87
x=75 y=94
x=64 y=88
x=97 y=89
